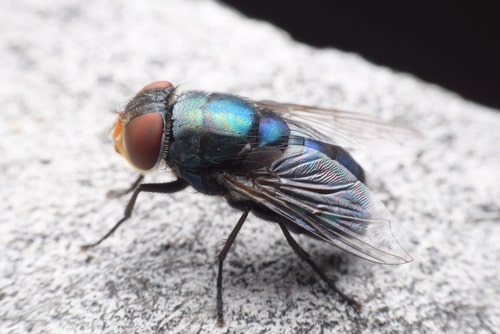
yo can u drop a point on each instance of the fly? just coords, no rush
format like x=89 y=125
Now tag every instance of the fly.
x=283 y=162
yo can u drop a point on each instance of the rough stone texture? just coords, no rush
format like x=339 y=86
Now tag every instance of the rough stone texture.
x=66 y=65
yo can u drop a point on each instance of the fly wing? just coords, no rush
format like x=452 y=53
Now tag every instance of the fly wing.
x=338 y=127
x=318 y=194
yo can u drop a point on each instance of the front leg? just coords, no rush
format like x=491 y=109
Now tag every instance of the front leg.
x=163 y=188
x=120 y=192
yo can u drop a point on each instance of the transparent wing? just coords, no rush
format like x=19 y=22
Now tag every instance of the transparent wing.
x=322 y=197
x=338 y=127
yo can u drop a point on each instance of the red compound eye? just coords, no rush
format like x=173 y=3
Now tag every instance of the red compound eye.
x=143 y=139
x=156 y=85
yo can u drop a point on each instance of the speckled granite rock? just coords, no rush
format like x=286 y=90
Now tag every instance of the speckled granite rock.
x=66 y=65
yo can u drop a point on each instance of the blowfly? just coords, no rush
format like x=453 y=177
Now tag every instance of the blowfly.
x=285 y=163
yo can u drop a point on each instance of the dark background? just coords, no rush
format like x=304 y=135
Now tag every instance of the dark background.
x=453 y=44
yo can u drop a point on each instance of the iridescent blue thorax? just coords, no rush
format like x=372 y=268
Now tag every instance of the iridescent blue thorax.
x=221 y=131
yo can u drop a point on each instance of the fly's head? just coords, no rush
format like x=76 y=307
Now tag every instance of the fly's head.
x=141 y=131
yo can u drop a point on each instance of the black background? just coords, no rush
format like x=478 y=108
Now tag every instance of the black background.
x=453 y=44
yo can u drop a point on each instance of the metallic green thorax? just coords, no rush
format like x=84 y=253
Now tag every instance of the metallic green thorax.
x=217 y=131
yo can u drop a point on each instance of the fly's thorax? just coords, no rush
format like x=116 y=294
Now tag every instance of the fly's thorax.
x=210 y=129
x=141 y=132
x=213 y=132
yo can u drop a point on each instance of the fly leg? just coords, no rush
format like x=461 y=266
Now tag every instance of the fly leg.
x=222 y=257
x=121 y=192
x=163 y=188
x=307 y=258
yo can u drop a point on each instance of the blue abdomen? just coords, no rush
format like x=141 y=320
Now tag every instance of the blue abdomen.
x=340 y=155
x=334 y=152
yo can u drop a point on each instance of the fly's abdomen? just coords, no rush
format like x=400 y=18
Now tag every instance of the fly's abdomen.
x=273 y=131
x=334 y=152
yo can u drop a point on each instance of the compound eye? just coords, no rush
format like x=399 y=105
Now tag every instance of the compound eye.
x=156 y=85
x=143 y=139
